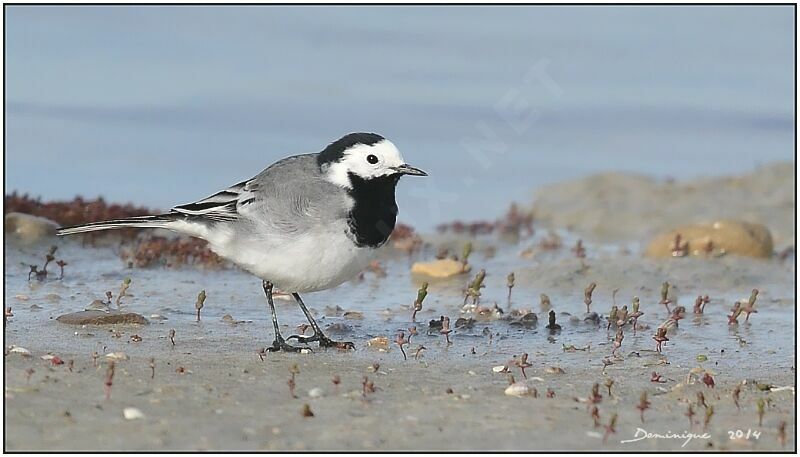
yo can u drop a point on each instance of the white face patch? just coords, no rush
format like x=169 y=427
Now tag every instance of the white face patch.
x=366 y=162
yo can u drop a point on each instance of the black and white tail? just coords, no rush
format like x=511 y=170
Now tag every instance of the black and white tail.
x=160 y=221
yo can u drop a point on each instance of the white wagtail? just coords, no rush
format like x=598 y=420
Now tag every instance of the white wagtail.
x=306 y=223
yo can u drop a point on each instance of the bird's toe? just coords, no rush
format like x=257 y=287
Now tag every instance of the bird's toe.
x=328 y=343
x=281 y=345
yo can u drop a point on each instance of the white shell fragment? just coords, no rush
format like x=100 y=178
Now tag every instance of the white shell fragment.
x=518 y=389
x=781 y=389
x=500 y=369
x=316 y=392
x=132 y=413
x=117 y=356
x=305 y=351
x=20 y=350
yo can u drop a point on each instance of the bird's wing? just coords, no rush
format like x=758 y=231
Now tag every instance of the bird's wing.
x=289 y=197
x=219 y=207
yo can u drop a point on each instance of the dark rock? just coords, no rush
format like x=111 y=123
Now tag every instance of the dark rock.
x=462 y=322
x=101 y=318
x=339 y=327
x=591 y=318
x=528 y=320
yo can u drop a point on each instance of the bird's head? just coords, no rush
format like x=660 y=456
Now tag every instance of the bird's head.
x=364 y=155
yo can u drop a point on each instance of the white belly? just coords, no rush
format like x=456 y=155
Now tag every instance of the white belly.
x=306 y=263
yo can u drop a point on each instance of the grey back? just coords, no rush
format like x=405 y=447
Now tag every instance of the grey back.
x=291 y=198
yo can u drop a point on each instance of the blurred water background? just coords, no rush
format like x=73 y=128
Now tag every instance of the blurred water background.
x=163 y=105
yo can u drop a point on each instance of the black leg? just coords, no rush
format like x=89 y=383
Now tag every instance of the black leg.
x=324 y=341
x=279 y=344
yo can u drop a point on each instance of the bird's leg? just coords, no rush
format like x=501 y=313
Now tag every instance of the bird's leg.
x=279 y=344
x=324 y=341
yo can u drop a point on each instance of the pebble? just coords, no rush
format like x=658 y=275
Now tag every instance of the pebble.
x=20 y=350
x=132 y=413
x=228 y=319
x=353 y=315
x=443 y=268
x=117 y=356
x=591 y=317
x=518 y=389
x=379 y=342
x=316 y=392
x=339 y=327
x=94 y=317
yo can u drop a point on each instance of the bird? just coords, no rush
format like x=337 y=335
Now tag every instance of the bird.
x=306 y=223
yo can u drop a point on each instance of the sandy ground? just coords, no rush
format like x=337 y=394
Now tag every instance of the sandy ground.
x=228 y=398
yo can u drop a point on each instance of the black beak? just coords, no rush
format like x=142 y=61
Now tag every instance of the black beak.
x=407 y=169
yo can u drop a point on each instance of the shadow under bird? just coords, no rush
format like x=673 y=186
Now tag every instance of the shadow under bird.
x=306 y=223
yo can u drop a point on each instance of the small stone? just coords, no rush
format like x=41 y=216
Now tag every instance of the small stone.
x=117 y=356
x=228 y=319
x=316 y=392
x=20 y=350
x=338 y=327
x=353 y=315
x=526 y=320
x=94 y=317
x=444 y=268
x=518 y=389
x=379 y=342
x=591 y=318
x=132 y=413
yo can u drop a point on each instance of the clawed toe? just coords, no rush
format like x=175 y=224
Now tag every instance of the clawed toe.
x=303 y=339
x=324 y=341
x=328 y=343
x=281 y=345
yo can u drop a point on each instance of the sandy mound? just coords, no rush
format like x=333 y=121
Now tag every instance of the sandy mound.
x=627 y=207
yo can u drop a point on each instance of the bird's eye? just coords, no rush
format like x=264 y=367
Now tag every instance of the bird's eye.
x=372 y=158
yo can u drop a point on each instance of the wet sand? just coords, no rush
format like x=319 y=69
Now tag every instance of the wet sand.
x=228 y=398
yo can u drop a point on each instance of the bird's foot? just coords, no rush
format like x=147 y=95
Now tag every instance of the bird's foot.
x=280 y=345
x=325 y=342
